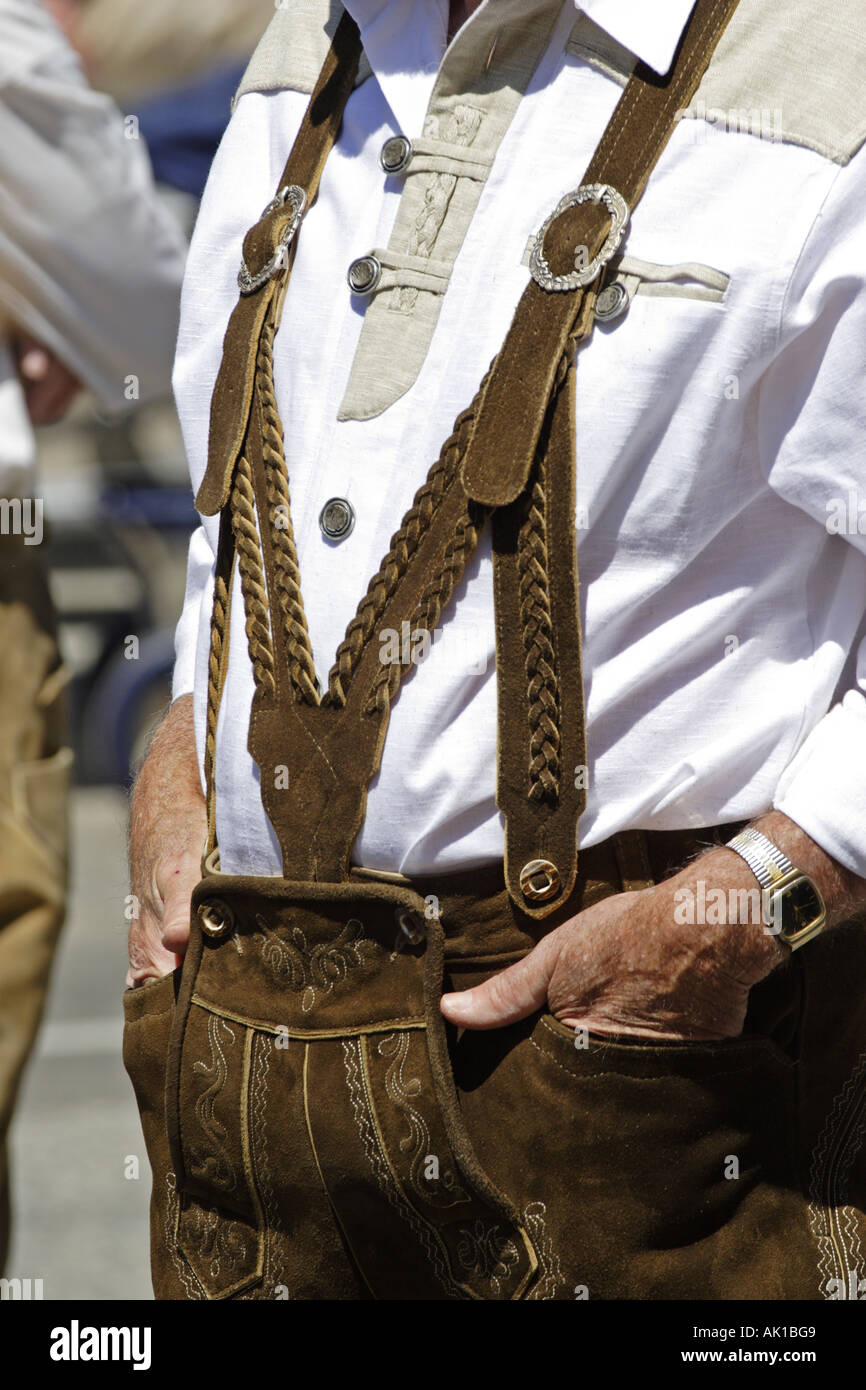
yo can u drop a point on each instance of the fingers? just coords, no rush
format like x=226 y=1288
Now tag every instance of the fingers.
x=159 y=939
x=148 y=958
x=167 y=837
x=50 y=399
x=175 y=932
x=175 y=917
x=33 y=362
x=49 y=386
x=508 y=996
x=175 y=880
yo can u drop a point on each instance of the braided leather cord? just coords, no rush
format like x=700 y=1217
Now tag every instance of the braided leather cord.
x=542 y=675
x=538 y=642
x=434 y=598
x=219 y=616
x=252 y=578
x=287 y=579
x=404 y=543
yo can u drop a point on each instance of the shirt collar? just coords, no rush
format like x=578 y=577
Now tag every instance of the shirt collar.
x=651 y=29
x=404 y=41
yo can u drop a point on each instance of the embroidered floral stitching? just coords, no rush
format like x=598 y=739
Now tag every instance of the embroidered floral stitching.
x=306 y=970
x=214 y=1237
x=400 y=1092
x=382 y=1173
x=262 y=1174
x=213 y=1163
x=187 y=1278
x=491 y=1257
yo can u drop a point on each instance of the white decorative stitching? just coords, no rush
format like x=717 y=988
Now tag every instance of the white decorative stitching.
x=834 y=1222
x=550 y=1273
x=450 y=1191
x=361 y=1106
x=194 y=1289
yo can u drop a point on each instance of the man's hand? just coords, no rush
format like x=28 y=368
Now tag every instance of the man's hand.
x=631 y=965
x=49 y=386
x=168 y=831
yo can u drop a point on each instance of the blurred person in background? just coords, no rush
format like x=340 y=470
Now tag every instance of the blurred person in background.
x=175 y=68
x=90 y=273
x=133 y=51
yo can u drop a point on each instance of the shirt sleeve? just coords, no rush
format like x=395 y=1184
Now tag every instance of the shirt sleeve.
x=91 y=262
x=812 y=431
x=199 y=594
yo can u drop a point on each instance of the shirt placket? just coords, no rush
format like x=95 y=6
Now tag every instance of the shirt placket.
x=479 y=86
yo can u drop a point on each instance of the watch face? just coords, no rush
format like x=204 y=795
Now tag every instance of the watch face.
x=800 y=906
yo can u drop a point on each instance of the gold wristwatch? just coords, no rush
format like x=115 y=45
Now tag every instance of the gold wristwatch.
x=794 y=910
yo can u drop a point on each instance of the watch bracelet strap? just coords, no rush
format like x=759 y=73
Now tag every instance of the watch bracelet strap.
x=771 y=867
x=765 y=859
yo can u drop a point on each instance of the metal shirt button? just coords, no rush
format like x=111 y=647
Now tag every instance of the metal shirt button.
x=395 y=154
x=612 y=302
x=336 y=519
x=364 y=275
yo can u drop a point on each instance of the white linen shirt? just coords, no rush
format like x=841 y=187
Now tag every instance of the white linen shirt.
x=716 y=439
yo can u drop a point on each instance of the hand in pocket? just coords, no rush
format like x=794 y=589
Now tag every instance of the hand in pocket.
x=630 y=965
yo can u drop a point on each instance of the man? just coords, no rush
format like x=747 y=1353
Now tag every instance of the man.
x=611 y=1108
x=90 y=269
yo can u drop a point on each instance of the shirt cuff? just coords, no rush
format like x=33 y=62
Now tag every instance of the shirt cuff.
x=199 y=588
x=823 y=788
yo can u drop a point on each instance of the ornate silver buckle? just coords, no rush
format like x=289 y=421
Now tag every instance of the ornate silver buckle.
x=249 y=283
x=581 y=275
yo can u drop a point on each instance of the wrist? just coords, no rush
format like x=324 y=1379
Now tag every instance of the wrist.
x=843 y=892
x=719 y=897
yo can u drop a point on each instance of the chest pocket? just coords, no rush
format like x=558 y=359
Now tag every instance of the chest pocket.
x=628 y=276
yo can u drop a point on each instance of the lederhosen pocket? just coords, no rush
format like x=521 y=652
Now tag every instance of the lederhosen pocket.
x=683 y=1153
x=663 y=1170
x=334 y=989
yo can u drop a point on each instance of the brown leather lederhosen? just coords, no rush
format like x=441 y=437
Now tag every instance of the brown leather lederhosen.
x=314 y=1128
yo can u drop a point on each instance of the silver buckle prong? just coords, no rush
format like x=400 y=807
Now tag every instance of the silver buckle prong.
x=291 y=193
x=581 y=276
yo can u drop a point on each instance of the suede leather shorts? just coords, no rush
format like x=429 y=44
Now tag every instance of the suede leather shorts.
x=316 y=1130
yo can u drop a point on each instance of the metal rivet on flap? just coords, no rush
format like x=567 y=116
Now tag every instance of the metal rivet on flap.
x=216 y=918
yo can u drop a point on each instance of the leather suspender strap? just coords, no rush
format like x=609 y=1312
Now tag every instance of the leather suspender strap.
x=541 y=746
x=267 y=254
x=268 y=246
x=509 y=422
x=521 y=460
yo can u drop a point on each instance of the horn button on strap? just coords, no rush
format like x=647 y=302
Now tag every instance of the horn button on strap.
x=540 y=880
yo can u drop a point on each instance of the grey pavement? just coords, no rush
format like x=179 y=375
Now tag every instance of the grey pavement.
x=80 y=1223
